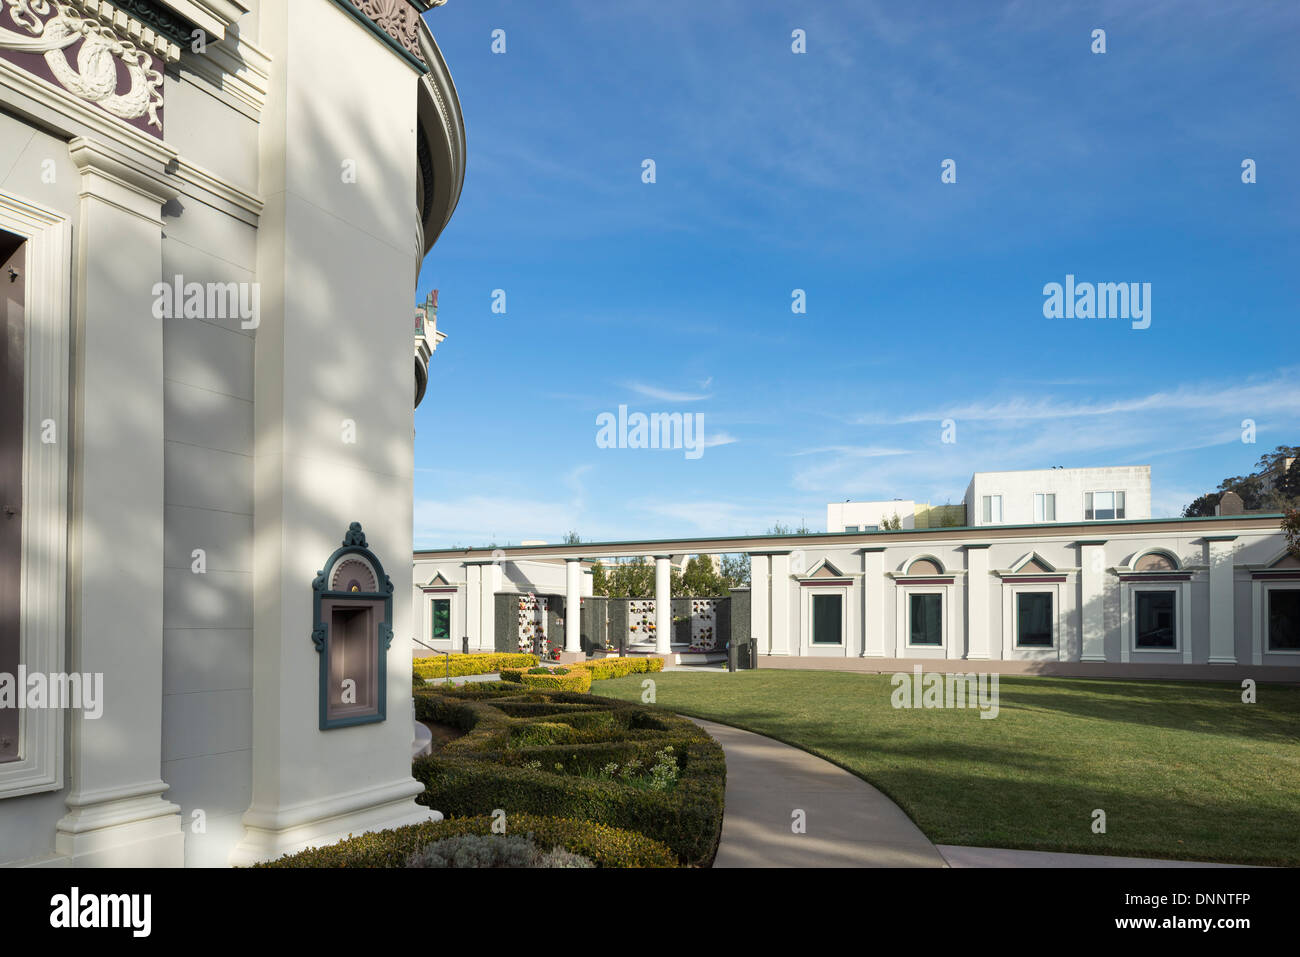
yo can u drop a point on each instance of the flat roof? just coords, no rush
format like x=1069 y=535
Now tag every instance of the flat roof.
x=1251 y=521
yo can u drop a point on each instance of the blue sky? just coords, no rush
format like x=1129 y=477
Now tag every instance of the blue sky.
x=820 y=171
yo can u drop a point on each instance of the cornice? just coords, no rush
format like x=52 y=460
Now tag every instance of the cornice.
x=239 y=70
x=213 y=17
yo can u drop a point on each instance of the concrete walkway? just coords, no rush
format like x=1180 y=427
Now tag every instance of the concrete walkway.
x=997 y=857
x=848 y=822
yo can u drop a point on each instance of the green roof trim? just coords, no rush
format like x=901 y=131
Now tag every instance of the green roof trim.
x=651 y=542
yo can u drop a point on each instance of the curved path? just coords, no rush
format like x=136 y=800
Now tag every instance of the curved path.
x=848 y=823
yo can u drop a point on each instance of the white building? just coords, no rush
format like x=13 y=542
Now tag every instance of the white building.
x=1058 y=495
x=210 y=252
x=1208 y=598
x=868 y=516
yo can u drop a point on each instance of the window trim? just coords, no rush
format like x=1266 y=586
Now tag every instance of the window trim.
x=987 y=500
x=812 y=618
x=1263 y=589
x=1118 y=495
x=44 y=556
x=1182 y=618
x=1011 y=647
x=1040 y=499
x=807 y=591
x=904 y=618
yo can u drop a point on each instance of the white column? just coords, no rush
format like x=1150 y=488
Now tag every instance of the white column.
x=978 y=646
x=663 y=605
x=489 y=585
x=758 y=604
x=1092 y=601
x=873 y=603
x=781 y=605
x=1223 y=620
x=573 y=604
x=117 y=815
x=473 y=605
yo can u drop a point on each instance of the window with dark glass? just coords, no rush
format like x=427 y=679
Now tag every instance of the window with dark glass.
x=1284 y=619
x=827 y=614
x=1154 y=619
x=1034 y=619
x=926 y=619
x=441 y=618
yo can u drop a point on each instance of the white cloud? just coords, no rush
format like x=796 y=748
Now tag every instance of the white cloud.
x=665 y=395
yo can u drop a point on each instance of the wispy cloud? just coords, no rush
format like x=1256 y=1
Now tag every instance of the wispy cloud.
x=665 y=395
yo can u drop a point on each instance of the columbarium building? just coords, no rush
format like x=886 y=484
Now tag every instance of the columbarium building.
x=213 y=214
x=1210 y=597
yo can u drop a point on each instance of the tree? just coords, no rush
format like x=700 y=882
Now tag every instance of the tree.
x=571 y=538
x=701 y=580
x=891 y=524
x=1269 y=488
x=780 y=529
x=1291 y=528
x=629 y=578
x=735 y=570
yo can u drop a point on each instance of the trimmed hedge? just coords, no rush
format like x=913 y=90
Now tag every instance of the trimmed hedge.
x=479 y=663
x=607 y=846
x=534 y=751
x=602 y=668
x=575 y=679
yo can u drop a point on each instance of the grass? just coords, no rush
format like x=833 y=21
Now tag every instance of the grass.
x=1182 y=771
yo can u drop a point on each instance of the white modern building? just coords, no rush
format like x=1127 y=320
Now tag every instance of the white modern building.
x=213 y=214
x=1059 y=495
x=868 y=516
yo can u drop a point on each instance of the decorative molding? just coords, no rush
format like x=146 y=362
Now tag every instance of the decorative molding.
x=395 y=22
x=239 y=72
x=43 y=584
x=137 y=18
x=207 y=187
x=212 y=16
x=52 y=27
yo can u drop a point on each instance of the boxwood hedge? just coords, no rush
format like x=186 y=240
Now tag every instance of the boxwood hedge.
x=535 y=751
x=607 y=846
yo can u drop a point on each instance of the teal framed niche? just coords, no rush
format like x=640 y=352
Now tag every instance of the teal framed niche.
x=352 y=611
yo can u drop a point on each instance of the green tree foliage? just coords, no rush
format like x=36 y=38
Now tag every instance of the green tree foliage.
x=1268 y=488
x=632 y=578
x=891 y=524
x=735 y=570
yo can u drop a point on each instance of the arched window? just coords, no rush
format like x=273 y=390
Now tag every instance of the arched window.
x=1156 y=562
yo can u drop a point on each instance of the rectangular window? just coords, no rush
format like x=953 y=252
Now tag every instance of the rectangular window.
x=1034 y=619
x=992 y=509
x=1045 y=507
x=441 y=619
x=850 y=528
x=1103 y=506
x=827 y=613
x=13 y=274
x=1154 y=624
x=1284 y=619
x=926 y=622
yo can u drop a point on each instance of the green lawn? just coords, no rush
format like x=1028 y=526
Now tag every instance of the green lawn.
x=1182 y=770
